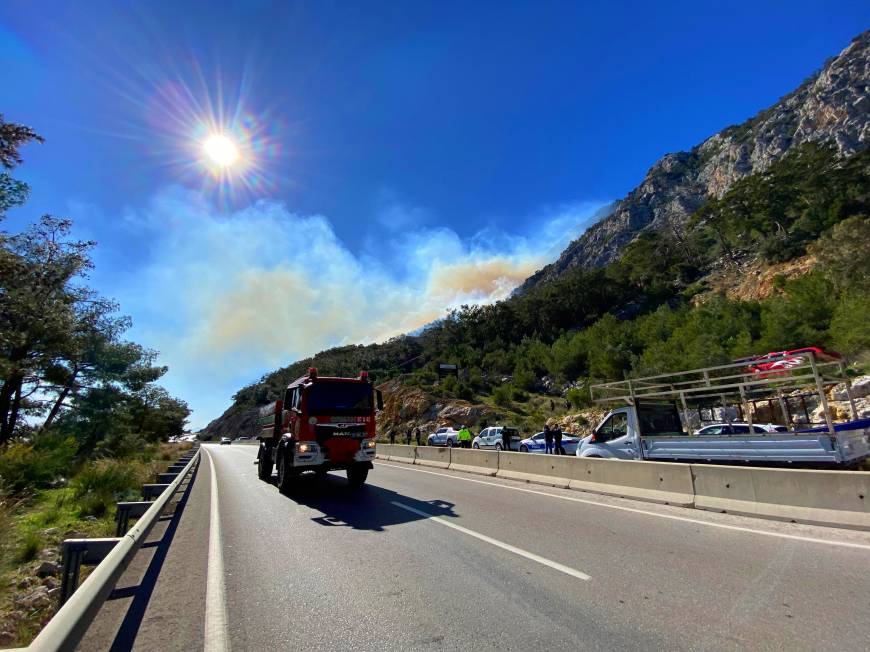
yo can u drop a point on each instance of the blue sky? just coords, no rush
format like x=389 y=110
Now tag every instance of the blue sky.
x=400 y=158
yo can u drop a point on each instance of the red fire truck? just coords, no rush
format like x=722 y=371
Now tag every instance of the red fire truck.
x=321 y=424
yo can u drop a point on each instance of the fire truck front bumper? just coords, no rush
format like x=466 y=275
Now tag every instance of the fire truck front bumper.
x=366 y=452
x=308 y=453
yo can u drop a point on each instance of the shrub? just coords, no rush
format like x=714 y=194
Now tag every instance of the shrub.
x=502 y=395
x=31 y=544
x=35 y=465
x=102 y=483
x=849 y=323
x=577 y=397
x=465 y=392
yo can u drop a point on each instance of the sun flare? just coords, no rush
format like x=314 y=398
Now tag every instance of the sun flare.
x=220 y=150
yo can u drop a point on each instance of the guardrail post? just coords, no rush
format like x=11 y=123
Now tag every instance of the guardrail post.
x=126 y=511
x=150 y=491
x=166 y=478
x=79 y=552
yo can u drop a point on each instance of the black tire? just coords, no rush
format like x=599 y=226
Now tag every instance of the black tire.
x=476 y=446
x=498 y=447
x=449 y=443
x=356 y=475
x=285 y=473
x=524 y=449
x=264 y=465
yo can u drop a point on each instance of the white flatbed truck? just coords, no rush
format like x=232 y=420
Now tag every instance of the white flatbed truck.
x=653 y=420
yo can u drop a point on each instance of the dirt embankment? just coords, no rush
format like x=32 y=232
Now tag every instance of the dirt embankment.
x=408 y=406
x=753 y=280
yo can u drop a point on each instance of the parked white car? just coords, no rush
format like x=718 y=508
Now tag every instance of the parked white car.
x=443 y=437
x=538 y=444
x=739 y=428
x=493 y=438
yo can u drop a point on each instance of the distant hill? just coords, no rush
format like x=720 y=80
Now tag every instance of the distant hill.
x=833 y=106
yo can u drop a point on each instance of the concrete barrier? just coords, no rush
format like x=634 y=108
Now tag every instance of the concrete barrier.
x=433 y=456
x=552 y=470
x=400 y=453
x=382 y=451
x=472 y=461
x=658 y=482
x=838 y=498
x=833 y=498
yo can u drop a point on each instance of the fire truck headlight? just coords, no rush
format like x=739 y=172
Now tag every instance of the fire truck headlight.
x=368 y=443
x=306 y=447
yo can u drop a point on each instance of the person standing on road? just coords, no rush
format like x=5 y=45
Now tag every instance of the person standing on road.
x=505 y=439
x=392 y=435
x=464 y=437
x=417 y=435
x=408 y=435
x=557 y=440
x=552 y=405
x=548 y=439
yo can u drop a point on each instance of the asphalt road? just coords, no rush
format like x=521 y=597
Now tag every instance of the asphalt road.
x=428 y=559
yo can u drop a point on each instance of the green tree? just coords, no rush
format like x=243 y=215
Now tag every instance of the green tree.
x=843 y=253
x=38 y=309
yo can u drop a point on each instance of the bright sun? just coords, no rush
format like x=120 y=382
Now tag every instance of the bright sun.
x=221 y=150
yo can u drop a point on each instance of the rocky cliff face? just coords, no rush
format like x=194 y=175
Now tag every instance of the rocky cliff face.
x=833 y=105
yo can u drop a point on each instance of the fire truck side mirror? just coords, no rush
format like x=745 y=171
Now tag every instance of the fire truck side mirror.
x=379 y=398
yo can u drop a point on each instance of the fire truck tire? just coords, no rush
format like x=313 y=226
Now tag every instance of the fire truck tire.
x=285 y=475
x=356 y=475
x=264 y=465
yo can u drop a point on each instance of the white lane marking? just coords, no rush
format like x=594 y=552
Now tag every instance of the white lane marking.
x=216 y=633
x=634 y=510
x=499 y=544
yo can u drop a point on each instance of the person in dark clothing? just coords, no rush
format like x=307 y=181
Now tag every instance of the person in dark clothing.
x=557 y=440
x=505 y=439
x=417 y=435
x=408 y=436
x=392 y=436
x=552 y=405
x=548 y=439
x=567 y=405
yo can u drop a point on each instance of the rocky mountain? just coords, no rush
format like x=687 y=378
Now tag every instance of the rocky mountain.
x=832 y=105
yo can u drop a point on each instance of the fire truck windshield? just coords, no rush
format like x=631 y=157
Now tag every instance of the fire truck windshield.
x=340 y=398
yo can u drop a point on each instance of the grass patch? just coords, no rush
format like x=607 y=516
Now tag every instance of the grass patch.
x=31 y=544
x=39 y=521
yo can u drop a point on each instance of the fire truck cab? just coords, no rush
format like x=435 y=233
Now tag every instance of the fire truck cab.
x=321 y=424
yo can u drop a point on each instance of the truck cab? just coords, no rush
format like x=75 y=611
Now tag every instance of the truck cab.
x=620 y=434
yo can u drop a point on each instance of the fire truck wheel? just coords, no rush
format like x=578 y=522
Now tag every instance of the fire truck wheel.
x=356 y=475
x=264 y=466
x=285 y=475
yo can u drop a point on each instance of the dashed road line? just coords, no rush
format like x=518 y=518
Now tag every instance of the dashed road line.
x=573 y=572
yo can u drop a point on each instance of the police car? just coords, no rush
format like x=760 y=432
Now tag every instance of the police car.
x=536 y=444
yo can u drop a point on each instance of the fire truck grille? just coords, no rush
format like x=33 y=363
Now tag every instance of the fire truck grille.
x=324 y=431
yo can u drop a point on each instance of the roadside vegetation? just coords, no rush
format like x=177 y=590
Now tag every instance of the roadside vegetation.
x=654 y=310
x=81 y=416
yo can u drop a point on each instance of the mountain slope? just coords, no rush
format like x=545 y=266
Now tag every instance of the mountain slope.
x=833 y=105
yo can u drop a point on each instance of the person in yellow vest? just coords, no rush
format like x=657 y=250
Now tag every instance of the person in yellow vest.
x=464 y=437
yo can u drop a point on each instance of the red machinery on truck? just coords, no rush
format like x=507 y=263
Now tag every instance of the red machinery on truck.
x=322 y=424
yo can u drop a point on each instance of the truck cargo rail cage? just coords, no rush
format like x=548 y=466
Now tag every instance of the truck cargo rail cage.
x=775 y=378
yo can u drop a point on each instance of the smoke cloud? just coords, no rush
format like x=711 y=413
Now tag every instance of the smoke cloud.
x=228 y=297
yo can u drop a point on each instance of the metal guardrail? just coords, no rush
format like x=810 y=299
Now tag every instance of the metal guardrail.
x=64 y=631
